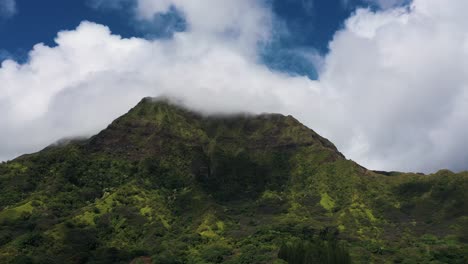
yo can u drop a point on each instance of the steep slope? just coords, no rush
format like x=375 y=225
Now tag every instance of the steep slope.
x=166 y=185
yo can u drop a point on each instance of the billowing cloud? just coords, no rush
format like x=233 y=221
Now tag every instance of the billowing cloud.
x=7 y=8
x=401 y=75
x=392 y=92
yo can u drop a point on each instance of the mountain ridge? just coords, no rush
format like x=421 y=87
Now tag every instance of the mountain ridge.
x=166 y=103
x=167 y=184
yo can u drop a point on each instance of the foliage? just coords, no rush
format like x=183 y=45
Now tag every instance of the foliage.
x=315 y=251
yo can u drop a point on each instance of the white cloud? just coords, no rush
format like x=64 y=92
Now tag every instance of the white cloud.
x=7 y=8
x=244 y=21
x=392 y=93
x=400 y=74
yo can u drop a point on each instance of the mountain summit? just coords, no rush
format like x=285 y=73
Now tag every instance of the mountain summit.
x=154 y=120
x=163 y=184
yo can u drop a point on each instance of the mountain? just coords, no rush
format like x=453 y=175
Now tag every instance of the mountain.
x=163 y=184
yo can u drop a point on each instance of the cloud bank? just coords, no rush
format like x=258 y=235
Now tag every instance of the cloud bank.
x=392 y=93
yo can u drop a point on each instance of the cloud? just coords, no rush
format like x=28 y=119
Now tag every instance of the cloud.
x=7 y=8
x=392 y=93
x=401 y=75
x=243 y=20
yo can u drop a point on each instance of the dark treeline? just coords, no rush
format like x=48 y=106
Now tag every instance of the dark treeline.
x=328 y=251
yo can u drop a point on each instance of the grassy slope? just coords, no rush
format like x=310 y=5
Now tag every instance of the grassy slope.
x=181 y=188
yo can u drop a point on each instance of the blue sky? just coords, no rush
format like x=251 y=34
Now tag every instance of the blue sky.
x=302 y=25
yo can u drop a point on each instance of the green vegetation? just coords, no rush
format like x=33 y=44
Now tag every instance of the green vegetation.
x=164 y=185
x=318 y=251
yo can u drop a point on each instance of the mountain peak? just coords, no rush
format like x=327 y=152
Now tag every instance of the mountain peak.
x=247 y=146
x=156 y=120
